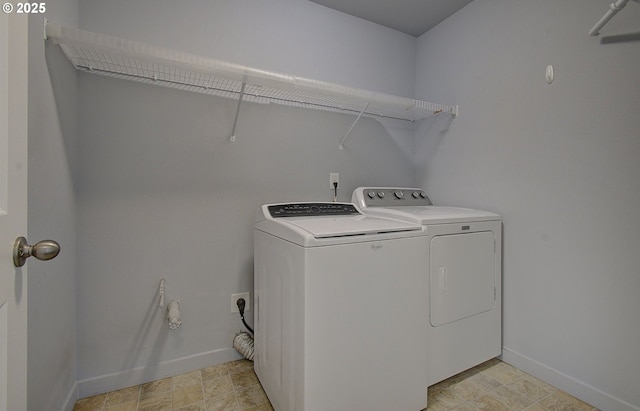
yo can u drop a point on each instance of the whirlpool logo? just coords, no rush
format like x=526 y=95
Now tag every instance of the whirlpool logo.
x=376 y=247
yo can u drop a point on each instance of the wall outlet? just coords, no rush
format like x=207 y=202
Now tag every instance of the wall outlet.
x=333 y=178
x=236 y=297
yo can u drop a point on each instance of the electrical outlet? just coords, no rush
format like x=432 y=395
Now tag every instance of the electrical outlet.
x=236 y=297
x=333 y=178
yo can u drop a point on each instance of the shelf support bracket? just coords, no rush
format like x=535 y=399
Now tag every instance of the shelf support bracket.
x=614 y=8
x=235 y=120
x=341 y=147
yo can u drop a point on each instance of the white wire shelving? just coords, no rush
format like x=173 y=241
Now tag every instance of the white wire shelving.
x=116 y=57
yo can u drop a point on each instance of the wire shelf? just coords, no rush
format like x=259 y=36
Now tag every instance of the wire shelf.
x=120 y=58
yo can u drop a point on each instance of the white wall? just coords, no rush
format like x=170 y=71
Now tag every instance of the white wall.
x=560 y=163
x=51 y=347
x=290 y=36
x=162 y=193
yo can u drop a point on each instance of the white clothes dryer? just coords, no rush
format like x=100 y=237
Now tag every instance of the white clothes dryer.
x=465 y=276
x=336 y=297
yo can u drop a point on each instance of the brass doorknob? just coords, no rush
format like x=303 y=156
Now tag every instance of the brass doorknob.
x=42 y=250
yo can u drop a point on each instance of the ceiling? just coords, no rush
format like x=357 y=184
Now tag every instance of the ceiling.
x=413 y=17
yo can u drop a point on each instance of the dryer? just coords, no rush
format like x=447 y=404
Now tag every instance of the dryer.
x=336 y=295
x=464 y=270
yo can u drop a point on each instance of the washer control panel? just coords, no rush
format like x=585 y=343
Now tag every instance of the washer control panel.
x=391 y=197
x=311 y=209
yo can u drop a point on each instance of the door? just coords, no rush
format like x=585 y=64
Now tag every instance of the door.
x=13 y=210
x=462 y=271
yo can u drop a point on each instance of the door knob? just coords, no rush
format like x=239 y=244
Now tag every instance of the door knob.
x=42 y=250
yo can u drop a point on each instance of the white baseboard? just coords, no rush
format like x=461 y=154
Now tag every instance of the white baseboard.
x=71 y=399
x=140 y=375
x=571 y=385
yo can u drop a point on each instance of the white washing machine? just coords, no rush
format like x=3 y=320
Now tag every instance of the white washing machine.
x=465 y=276
x=337 y=294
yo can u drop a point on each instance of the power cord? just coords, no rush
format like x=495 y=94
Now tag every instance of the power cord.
x=335 y=191
x=241 y=303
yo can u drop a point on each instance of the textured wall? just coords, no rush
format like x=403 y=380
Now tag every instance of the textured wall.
x=162 y=192
x=560 y=163
x=52 y=215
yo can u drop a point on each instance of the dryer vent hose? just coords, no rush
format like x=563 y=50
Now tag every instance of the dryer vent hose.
x=243 y=343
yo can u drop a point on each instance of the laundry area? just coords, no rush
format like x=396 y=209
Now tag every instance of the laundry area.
x=168 y=141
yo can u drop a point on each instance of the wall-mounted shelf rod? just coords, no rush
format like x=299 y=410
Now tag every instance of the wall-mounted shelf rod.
x=255 y=97
x=146 y=63
x=614 y=8
x=341 y=146
x=235 y=119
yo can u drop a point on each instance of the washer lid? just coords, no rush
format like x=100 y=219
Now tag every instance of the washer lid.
x=317 y=224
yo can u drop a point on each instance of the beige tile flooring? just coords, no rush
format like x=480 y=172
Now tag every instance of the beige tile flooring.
x=497 y=386
x=227 y=387
x=491 y=386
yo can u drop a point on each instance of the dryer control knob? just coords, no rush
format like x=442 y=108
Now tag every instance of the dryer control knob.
x=371 y=194
x=381 y=194
x=398 y=194
x=415 y=194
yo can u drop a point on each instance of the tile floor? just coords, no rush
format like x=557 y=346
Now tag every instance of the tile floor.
x=491 y=386
x=227 y=387
x=497 y=386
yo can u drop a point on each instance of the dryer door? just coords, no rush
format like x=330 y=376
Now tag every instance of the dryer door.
x=462 y=276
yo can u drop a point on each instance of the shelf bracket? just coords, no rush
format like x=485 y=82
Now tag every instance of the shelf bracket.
x=235 y=120
x=614 y=8
x=341 y=147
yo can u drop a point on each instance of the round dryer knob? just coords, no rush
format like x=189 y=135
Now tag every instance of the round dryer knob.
x=423 y=194
x=415 y=194
x=371 y=194
x=381 y=194
x=398 y=194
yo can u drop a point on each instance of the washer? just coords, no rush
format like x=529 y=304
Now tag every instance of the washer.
x=464 y=271
x=337 y=294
